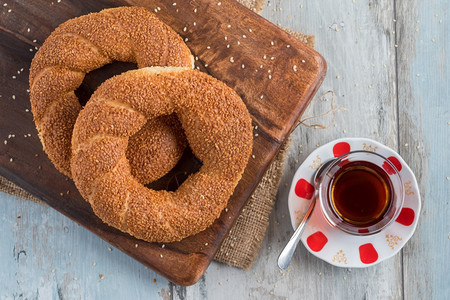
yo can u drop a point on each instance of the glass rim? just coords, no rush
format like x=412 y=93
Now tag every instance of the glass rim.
x=396 y=201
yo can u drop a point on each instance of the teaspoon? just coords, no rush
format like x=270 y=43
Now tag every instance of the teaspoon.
x=286 y=255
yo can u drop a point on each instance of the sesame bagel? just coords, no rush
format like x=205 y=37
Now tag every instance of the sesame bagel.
x=218 y=129
x=80 y=45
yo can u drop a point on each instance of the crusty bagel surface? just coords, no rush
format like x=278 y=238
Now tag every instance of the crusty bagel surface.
x=82 y=44
x=217 y=126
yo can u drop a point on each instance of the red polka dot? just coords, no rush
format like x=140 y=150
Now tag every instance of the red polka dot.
x=341 y=148
x=368 y=254
x=304 y=189
x=406 y=216
x=388 y=168
x=395 y=162
x=316 y=241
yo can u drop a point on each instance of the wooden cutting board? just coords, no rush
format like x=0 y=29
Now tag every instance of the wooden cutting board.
x=275 y=74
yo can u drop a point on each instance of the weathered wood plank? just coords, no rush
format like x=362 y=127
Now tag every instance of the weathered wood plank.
x=424 y=138
x=44 y=255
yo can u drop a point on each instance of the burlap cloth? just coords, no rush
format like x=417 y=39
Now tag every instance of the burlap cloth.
x=241 y=247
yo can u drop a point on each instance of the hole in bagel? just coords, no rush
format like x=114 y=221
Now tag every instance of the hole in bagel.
x=187 y=165
x=96 y=77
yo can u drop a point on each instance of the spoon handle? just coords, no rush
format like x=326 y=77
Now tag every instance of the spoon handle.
x=286 y=255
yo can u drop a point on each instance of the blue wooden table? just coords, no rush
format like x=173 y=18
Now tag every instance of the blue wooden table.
x=388 y=65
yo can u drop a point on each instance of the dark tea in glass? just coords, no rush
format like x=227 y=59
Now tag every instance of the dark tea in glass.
x=361 y=192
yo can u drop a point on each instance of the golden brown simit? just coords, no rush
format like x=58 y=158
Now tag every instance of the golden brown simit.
x=80 y=45
x=217 y=126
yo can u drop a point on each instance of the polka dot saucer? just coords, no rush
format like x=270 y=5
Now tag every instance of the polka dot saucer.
x=335 y=246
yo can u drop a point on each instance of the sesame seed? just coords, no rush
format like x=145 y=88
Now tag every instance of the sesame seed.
x=163 y=246
x=5 y=142
x=155 y=10
x=174 y=4
x=250 y=30
x=14 y=97
x=228 y=46
x=288 y=46
x=196 y=58
x=9 y=10
x=294 y=68
x=161 y=256
x=272 y=43
x=303 y=61
x=136 y=245
x=272 y=58
x=94 y=263
x=14 y=77
x=229 y=26
x=53 y=271
x=195 y=10
x=11 y=159
x=270 y=76
x=265 y=56
x=226 y=38
x=268 y=71
x=28 y=29
x=186 y=39
x=159 y=8
x=260 y=66
x=219 y=3
x=242 y=66
x=206 y=244
x=195 y=23
x=253 y=156
x=232 y=59
x=208 y=47
x=184 y=29
x=262 y=96
x=244 y=36
x=5 y=4
x=256 y=134
x=206 y=65
x=238 y=42
x=109 y=248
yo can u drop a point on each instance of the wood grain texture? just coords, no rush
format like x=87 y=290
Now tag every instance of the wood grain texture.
x=262 y=65
x=361 y=53
x=424 y=139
